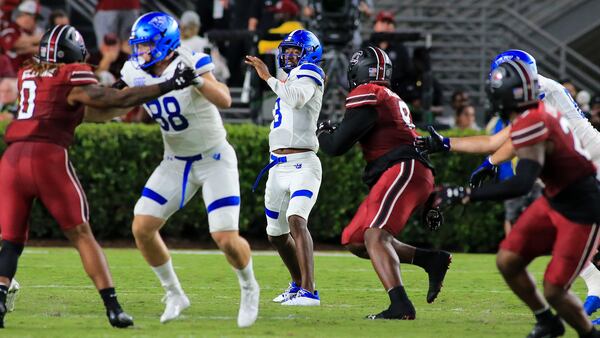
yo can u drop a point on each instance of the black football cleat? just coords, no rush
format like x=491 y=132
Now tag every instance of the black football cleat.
x=548 y=329
x=394 y=315
x=437 y=271
x=118 y=318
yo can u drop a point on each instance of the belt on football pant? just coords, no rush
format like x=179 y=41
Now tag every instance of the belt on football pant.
x=189 y=161
x=275 y=160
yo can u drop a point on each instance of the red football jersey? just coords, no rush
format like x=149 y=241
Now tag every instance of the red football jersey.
x=44 y=113
x=567 y=162
x=394 y=123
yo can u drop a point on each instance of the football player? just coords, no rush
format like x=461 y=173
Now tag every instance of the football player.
x=294 y=168
x=562 y=222
x=399 y=177
x=196 y=155
x=56 y=91
x=554 y=94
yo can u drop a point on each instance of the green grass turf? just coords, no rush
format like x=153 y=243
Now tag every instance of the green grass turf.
x=57 y=299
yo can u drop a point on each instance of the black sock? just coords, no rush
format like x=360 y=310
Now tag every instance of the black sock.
x=545 y=316
x=423 y=258
x=590 y=334
x=398 y=295
x=3 y=293
x=109 y=297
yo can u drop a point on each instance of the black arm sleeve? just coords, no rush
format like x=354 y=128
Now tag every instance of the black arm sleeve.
x=356 y=123
x=518 y=185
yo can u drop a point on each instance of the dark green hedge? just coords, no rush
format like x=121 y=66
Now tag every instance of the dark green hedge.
x=113 y=162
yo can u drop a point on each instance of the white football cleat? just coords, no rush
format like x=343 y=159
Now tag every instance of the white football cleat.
x=13 y=290
x=175 y=304
x=248 y=304
x=304 y=298
x=288 y=293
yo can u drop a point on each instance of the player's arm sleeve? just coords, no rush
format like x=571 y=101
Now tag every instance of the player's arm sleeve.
x=357 y=122
x=527 y=172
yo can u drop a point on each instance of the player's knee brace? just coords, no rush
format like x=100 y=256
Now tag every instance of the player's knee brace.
x=9 y=256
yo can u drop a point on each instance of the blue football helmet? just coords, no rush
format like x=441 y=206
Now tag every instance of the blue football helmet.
x=307 y=42
x=160 y=31
x=513 y=55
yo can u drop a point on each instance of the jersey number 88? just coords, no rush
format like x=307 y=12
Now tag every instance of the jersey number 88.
x=173 y=118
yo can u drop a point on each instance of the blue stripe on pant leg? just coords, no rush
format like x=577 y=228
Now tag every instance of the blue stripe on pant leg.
x=271 y=214
x=153 y=195
x=305 y=193
x=223 y=202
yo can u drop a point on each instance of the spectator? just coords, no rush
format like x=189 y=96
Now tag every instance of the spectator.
x=58 y=17
x=459 y=98
x=115 y=16
x=19 y=40
x=401 y=63
x=570 y=86
x=6 y=68
x=190 y=26
x=422 y=91
x=109 y=59
x=8 y=98
x=6 y=9
x=465 y=118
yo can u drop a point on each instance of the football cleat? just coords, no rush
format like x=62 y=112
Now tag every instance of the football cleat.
x=119 y=318
x=304 y=298
x=175 y=304
x=591 y=305
x=437 y=271
x=550 y=329
x=288 y=293
x=404 y=311
x=13 y=290
x=248 y=305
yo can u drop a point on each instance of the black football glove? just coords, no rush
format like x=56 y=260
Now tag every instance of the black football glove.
x=448 y=195
x=432 y=217
x=182 y=77
x=434 y=143
x=325 y=127
x=485 y=171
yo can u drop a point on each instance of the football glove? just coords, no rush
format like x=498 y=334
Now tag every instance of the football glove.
x=434 y=143
x=485 y=171
x=448 y=195
x=188 y=59
x=325 y=127
x=432 y=217
x=182 y=78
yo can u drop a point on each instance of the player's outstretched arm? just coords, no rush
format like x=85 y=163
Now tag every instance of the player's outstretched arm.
x=357 y=122
x=480 y=144
x=213 y=90
x=104 y=97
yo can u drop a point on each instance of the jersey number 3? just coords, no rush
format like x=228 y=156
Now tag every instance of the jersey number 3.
x=173 y=118
x=26 y=101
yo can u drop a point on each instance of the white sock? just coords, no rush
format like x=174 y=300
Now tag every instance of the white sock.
x=591 y=276
x=168 y=278
x=246 y=275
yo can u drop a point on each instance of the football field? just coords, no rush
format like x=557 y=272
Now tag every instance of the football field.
x=57 y=299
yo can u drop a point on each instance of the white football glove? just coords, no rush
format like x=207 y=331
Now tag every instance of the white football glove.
x=187 y=57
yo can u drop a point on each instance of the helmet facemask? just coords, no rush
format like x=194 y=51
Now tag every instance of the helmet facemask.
x=143 y=53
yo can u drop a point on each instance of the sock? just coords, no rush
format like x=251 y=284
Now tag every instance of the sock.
x=590 y=334
x=591 y=276
x=422 y=258
x=3 y=293
x=544 y=315
x=397 y=295
x=246 y=275
x=168 y=278
x=109 y=297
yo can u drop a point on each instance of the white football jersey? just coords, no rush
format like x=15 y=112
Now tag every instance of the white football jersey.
x=558 y=96
x=190 y=124
x=297 y=108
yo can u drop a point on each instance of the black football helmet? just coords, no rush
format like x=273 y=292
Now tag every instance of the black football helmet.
x=370 y=64
x=62 y=44
x=512 y=87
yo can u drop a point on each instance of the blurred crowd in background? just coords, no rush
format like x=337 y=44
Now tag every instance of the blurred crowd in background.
x=230 y=29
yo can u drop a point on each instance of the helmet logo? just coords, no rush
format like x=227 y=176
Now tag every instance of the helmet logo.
x=356 y=57
x=518 y=93
x=497 y=77
x=43 y=51
x=372 y=71
x=61 y=54
x=159 y=22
